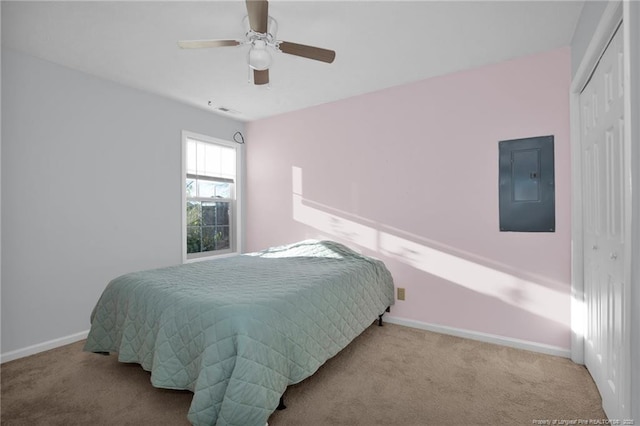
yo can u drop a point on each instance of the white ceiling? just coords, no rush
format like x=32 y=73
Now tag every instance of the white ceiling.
x=378 y=44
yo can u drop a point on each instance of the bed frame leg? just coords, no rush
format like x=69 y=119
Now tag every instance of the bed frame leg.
x=380 y=316
x=281 y=405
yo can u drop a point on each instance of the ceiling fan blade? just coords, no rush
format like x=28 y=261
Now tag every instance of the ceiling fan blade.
x=309 y=52
x=258 y=11
x=197 y=44
x=260 y=77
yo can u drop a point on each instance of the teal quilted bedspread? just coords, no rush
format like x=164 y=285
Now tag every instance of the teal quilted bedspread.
x=237 y=331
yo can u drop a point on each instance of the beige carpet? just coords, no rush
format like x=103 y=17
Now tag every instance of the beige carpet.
x=390 y=375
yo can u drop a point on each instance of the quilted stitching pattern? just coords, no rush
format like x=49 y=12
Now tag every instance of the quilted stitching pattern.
x=238 y=331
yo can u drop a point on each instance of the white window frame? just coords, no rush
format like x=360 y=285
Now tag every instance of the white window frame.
x=236 y=221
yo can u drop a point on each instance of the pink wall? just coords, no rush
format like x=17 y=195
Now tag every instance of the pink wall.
x=410 y=175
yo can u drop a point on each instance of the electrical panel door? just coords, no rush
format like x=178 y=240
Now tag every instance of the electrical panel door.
x=526 y=185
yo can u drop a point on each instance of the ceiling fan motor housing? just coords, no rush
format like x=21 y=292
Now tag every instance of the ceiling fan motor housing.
x=259 y=57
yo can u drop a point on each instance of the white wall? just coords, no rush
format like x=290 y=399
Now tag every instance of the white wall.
x=589 y=18
x=91 y=189
x=632 y=17
x=0 y=180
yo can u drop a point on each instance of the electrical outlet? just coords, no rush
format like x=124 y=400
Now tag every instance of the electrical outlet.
x=400 y=293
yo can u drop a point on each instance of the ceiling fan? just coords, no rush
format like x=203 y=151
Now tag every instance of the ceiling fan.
x=260 y=36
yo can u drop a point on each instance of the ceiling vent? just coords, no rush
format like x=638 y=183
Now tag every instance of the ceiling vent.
x=227 y=110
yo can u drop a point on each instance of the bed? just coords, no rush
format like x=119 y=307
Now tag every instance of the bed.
x=237 y=331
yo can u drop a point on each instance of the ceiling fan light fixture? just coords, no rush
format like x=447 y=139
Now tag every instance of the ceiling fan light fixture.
x=259 y=56
x=260 y=36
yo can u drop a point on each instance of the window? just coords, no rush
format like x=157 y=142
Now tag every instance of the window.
x=210 y=194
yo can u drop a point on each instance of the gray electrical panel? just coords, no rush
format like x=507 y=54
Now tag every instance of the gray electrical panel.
x=526 y=185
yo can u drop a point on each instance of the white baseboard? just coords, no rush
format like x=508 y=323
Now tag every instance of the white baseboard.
x=467 y=334
x=482 y=337
x=41 y=347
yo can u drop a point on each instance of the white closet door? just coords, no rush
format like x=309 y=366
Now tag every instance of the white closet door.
x=602 y=125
